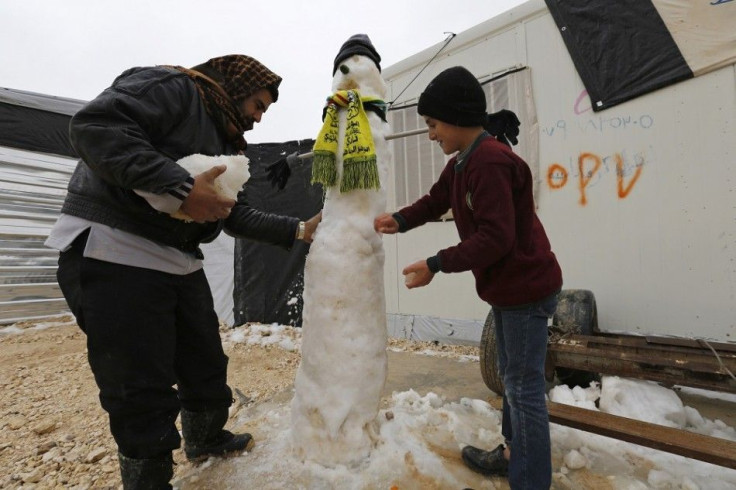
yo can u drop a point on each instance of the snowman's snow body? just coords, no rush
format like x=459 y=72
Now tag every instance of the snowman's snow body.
x=344 y=363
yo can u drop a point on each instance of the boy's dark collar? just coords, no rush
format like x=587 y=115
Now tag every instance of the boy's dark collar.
x=462 y=157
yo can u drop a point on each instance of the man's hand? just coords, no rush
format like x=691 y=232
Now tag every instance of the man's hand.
x=203 y=203
x=385 y=223
x=417 y=274
x=310 y=226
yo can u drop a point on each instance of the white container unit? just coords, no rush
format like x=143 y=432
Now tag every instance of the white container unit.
x=638 y=200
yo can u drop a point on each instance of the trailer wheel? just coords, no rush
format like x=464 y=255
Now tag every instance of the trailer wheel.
x=576 y=314
x=489 y=357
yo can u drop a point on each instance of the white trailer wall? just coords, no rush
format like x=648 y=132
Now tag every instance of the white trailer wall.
x=638 y=200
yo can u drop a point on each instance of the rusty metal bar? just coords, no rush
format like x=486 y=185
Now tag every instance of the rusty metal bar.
x=389 y=137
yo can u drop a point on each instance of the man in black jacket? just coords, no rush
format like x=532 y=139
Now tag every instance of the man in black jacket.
x=132 y=275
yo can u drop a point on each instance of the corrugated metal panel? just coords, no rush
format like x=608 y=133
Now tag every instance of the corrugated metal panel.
x=32 y=190
x=41 y=102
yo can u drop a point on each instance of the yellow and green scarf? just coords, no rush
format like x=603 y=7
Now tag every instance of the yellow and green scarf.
x=359 y=170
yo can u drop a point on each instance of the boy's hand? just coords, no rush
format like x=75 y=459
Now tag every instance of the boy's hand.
x=417 y=274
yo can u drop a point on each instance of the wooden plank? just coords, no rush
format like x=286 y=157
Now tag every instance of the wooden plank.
x=702 y=363
x=668 y=344
x=714 y=450
x=706 y=374
x=708 y=381
x=701 y=359
x=694 y=343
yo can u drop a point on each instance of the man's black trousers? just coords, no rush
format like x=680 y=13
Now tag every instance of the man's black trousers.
x=153 y=346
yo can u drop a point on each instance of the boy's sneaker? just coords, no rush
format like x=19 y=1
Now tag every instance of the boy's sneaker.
x=225 y=442
x=489 y=463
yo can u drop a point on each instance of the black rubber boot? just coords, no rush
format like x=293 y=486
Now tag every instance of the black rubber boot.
x=489 y=463
x=146 y=474
x=204 y=435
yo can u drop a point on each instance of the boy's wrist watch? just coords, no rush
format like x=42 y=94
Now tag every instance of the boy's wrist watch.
x=300 y=231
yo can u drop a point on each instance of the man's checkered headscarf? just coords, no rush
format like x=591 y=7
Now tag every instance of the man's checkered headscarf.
x=225 y=81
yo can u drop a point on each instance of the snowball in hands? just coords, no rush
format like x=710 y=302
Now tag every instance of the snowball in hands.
x=228 y=184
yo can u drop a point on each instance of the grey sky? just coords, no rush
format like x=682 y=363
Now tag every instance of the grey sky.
x=75 y=48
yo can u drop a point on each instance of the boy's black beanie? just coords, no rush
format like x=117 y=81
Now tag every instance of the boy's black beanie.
x=455 y=97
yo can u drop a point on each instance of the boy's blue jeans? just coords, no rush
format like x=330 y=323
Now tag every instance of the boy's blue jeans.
x=521 y=340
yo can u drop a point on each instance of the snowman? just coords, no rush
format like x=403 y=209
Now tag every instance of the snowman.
x=343 y=368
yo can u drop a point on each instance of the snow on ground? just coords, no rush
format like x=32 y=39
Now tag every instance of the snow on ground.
x=420 y=438
x=650 y=402
x=415 y=434
x=21 y=327
x=284 y=336
x=290 y=339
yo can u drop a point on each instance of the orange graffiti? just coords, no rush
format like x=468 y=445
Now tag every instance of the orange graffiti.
x=556 y=171
x=585 y=177
x=624 y=191
x=590 y=164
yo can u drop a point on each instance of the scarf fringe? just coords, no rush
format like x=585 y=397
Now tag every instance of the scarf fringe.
x=360 y=173
x=324 y=168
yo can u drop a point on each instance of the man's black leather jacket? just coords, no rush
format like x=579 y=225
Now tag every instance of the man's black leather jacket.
x=129 y=137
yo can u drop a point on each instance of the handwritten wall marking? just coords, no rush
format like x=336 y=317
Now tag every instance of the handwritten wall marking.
x=590 y=169
x=556 y=176
x=620 y=173
x=578 y=110
x=586 y=176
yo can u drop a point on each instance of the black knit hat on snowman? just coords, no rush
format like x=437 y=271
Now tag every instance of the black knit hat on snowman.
x=456 y=97
x=357 y=44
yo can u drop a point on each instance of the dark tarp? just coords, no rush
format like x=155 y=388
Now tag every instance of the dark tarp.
x=621 y=49
x=269 y=280
x=36 y=122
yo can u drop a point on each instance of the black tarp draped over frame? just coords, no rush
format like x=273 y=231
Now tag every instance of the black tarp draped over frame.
x=36 y=122
x=620 y=49
x=628 y=48
x=269 y=280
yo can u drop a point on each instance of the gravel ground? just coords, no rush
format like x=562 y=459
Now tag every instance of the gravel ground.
x=53 y=432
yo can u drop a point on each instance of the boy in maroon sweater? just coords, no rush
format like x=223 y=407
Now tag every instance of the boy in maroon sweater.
x=489 y=189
